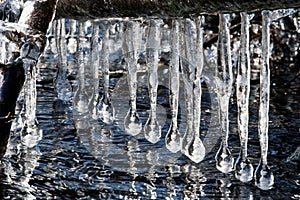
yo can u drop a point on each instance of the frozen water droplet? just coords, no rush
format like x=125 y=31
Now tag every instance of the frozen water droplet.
x=105 y=111
x=172 y=139
x=132 y=123
x=196 y=150
x=224 y=159
x=264 y=178
x=152 y=130
x=243 y=169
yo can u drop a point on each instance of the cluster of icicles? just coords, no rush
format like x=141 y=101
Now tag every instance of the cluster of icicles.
x=186 y=41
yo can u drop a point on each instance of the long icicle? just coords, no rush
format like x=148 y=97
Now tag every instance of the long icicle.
x=264 y=178
x=188 y=74
x=104 y=107
x=152 y=129
x=192 y=145
x=197 y=149
x=80 y=99
x=173 y=136
x=63 y=87
x=243 y=167
x=132 y=39
x=94 y=69
x=224 y=160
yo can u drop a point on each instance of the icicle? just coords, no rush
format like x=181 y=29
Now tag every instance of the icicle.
x=132 y=38
x=63 y=87
x=94 y=65
x=197 y=149
x=30 y=54
x=224 y=160
x=80 y=99
x=243 y=167
x=104 y=106
x=152 y=130
x=192 y=146
x=173 y=135
x=264 y=178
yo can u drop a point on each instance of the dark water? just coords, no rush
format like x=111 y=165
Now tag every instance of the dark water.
x=70 y=164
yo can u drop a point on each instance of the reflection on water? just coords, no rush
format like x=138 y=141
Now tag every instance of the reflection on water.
x=75 y=155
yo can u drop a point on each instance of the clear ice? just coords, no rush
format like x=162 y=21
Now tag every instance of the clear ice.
x=80 y=99
x=173 y=136
x=94 y=71
x=63 y=86
x=264 y=178
x=224 y=79
x=192 y=146
x=30 y=54
x=131 y=44
x=104 y=106
x=152 y=129
x=243 y=167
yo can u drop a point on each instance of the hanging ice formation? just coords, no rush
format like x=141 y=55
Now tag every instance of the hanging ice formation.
x=173 y=136
x=80 y=99
x=224 y=79
x=264 y=178
x=132 y=38
x=243 y=167
x=63 y=87
x=104 y=106
x=29 y=54
x=94 y=71
x=152 y=129
x=191 y=144
x=185 y=46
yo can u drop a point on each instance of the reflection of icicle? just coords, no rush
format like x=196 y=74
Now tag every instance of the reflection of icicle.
x=152 y=129
x=170 y=181
x=104 y=106
x=264 y=178
x=194 y=177
x=63 y=87
x=173 y=135
x=152 y=158
x=192 y=146
x=80 y=99
x=243 y=167
x=224 y=160
x=132 y=38
x=27 y=156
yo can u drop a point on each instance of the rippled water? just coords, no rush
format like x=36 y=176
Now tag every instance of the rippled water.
x=102 y=162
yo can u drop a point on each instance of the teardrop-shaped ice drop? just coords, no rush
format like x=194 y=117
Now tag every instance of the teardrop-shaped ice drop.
x=196 y=150
x=243 y=169
x=132 y=123
x=105 y=111
x=264 y=178
x=224 y=159
x=173 y=139
x=152 y=130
